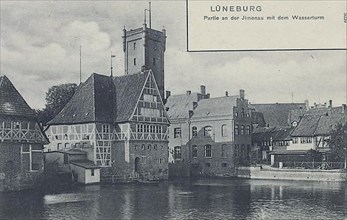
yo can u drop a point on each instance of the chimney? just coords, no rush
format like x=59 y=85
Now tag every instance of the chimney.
x=207 y=96
x=307 y=105
x=330 y=103
x=203 y=90
x=188 y=92
x=168 y=94
x=226 y=93
x=242 y=93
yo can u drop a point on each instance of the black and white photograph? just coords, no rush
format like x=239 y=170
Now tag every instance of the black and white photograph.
x=163 y=109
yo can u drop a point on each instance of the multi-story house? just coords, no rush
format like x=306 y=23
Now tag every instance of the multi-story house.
x=208 y=136
x=312 y=132
x=120 y=121
x=21 y=141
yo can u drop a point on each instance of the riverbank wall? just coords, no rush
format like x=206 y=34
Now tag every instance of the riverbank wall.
x=290 y=174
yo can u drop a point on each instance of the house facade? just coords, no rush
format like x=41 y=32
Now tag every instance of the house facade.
x=208 y=136
x=313 y=132
x=120 y=123
x=21 y=141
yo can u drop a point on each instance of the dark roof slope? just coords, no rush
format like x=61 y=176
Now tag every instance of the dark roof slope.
x=258 y=118
x=320 y=121
x=128 y=91
x=179 y=105
x=277 y=114
x=221 y=106
x=11 y=101
x=103 y=99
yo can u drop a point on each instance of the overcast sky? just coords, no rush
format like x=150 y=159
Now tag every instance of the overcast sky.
x=40 y=48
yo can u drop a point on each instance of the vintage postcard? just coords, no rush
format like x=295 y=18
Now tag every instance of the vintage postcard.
x=187 y=109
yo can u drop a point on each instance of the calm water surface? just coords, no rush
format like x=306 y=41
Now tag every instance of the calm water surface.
x=200 y=199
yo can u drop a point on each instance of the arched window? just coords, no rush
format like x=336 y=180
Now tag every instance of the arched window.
x=134 y=61
x=236 y=129
x=208 y=131
x=194 y=131
x=242 y=130
x=195 y=151
x=236 y=152
x=177 y=152
x=248 y=130
x=224 y=151
x=208 y=151
x=243 y=113
x=224 y=130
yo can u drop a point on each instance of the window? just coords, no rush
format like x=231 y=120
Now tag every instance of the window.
x=58 y=146
x=153 y=61
x=134 y=61
x=92 y=172
x=295 y=140
x=208 y=131
x=134 y=46
x=208 y=151
x=236 y=114
x=224 y=165
x=303 y=140
x=66 y=145
x=154 y=147
x=207 y=165
x=309 y=140
x=243 y=113
x=106 y=128
x=236 y=129
x=31 y=158
x=149 y=147
x=194 y=131
x=242 y=130
x=177 y=152
x=248 y=130
x=224 y=151
x=236 y=152
x=243 y=153
x=143 y=147
x=224 y=130
x=177 y=132
x=195 y=151
x=139 y=128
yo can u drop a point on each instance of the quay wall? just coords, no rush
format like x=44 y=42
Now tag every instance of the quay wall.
x=286 y=174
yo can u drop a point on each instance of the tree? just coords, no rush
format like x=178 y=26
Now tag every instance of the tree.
x=56 y=98
x=338 y=143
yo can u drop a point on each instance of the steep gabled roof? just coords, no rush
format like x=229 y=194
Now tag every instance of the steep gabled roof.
x=179 y=105
x=320 y=121
x=258 y=118
x=11 y=101
x=307 y=126
x=221 y=106
x=92 y=102
x=128 y=91
x=103 y=99
x=277 y=114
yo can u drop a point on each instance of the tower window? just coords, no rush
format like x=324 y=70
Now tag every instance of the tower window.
x=134 y=46
x=153 y=61
x=134 y=61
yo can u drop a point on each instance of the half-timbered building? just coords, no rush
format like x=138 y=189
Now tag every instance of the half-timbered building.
x=21 y=141
x=120 y=122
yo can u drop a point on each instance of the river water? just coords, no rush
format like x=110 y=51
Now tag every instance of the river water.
x=199 y=199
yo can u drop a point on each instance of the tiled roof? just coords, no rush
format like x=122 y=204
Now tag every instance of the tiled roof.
x=258 y=118
x=221 y=106
x=128 y=91
x=276 y=134
x=103 y=99
x=277 y=114
x=11 y=101
x=179 y=105
x=320 y=121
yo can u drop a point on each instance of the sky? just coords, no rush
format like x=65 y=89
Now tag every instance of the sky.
x=40 y=43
